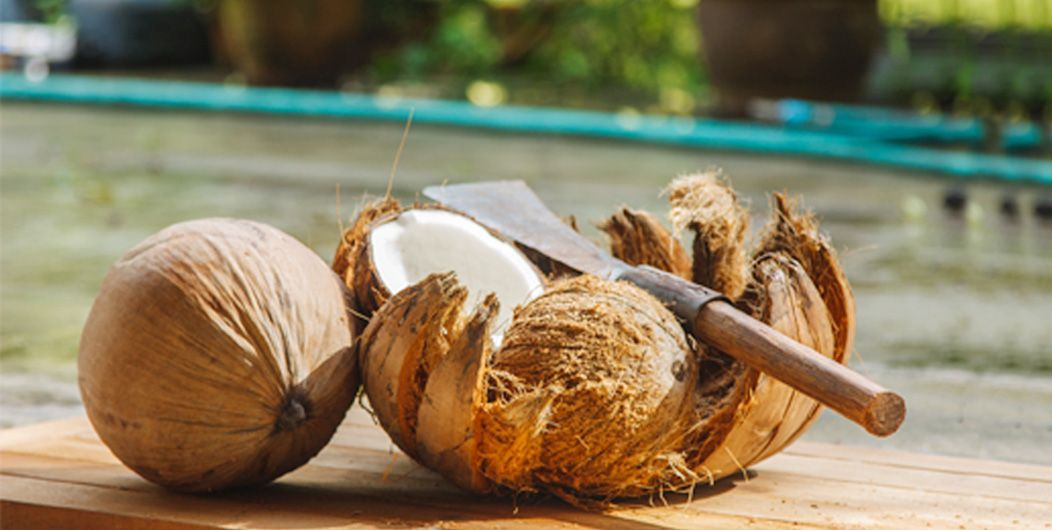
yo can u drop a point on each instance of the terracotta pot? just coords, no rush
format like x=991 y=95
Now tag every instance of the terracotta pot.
x=812 y=49
x=306 y=42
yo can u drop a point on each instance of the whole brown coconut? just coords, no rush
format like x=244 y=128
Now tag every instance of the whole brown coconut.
x=217 y=354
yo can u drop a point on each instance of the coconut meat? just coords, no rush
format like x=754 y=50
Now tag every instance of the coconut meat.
x=420 y=242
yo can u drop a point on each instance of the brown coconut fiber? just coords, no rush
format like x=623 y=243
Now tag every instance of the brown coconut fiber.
x=596 y=392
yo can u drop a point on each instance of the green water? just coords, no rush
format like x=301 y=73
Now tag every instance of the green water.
x=954 y=313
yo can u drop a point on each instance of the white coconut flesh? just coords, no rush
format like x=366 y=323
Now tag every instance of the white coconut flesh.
x=416 y=243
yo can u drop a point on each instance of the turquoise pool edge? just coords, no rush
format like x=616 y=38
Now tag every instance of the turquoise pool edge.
x=679 y=131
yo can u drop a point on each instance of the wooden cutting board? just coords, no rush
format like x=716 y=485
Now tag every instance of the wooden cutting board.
x=59 y=475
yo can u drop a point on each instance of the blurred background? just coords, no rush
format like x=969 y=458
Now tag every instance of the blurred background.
x=918 y=131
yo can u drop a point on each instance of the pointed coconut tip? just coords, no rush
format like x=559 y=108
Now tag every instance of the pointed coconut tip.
x=401 y=345
x=706 y=204
x=455 y=390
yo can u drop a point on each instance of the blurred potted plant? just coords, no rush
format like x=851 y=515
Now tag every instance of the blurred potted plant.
x=811 y=49
x=306 y=42
x=314 y=42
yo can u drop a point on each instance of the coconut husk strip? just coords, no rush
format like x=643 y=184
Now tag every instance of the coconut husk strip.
x=705 y=204
x=454 y=393
x=402 y=343
x=797 y=235
x=638 y=238
x=799 y=288
x=785 y=298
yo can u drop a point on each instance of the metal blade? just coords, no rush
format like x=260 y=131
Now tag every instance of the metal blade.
x=513 y=209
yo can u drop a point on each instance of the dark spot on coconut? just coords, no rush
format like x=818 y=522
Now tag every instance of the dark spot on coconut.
x=294 y=411
x=679 y=370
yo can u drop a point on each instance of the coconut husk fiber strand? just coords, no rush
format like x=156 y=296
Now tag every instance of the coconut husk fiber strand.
x=638 y=238
x=705 y=204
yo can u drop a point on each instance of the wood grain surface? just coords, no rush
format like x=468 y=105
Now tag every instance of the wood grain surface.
x=58 y=475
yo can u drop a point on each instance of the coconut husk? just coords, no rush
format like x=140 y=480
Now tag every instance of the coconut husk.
x=218 y=354
x=453 y=396
x=705 y=204
x=798 y=288
x=347 y=258
x=638 y=238
x=793 y=268
x=797 y=235
x=400 y=347
x=594 y=394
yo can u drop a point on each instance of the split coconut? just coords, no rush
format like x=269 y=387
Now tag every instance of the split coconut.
x=591 y=390
x=219 y=353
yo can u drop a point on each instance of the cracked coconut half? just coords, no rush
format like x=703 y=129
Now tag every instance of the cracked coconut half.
x=584 y=388
x=587 y=389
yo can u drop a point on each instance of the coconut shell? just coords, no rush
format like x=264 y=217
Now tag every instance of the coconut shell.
x=638 y=238
x=705 y=204
x=796 y=235
x=453 y=396
x=798 y=288
x=217 y=354
x=348 y=260
x=402 y=344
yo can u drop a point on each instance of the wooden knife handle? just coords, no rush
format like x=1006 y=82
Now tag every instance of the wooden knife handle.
x=714 y=321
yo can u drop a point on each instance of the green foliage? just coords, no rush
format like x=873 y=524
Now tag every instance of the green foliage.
x=641 y=47
x=50 y=10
